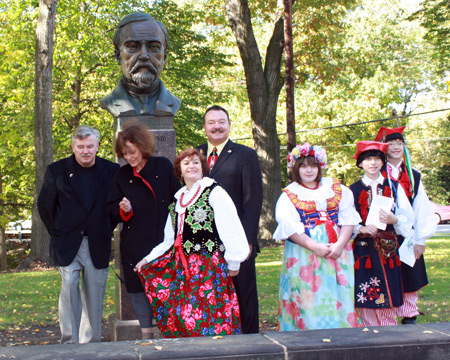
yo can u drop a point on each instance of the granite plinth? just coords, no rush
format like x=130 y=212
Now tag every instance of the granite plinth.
x=406 y=342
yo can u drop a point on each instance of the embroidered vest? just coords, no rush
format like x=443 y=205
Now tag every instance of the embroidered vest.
x=199 y=229
x=308 y=211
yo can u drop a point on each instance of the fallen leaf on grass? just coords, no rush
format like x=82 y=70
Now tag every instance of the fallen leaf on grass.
x=217 y=337
x=326 y=340
x=427 y=332
x=366 y=330
x=158 y=347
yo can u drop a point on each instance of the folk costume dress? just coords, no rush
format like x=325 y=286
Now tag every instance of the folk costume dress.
x=315 y=292
x=414 y=278
x=378 y=279
x=186 y=279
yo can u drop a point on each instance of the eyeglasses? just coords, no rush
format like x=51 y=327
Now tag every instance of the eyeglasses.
x=397 y=143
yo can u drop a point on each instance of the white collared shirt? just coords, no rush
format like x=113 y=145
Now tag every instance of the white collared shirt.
x=402 y=209
x=424 y=223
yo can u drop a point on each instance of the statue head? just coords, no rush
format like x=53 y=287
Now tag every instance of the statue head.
x=140 y=44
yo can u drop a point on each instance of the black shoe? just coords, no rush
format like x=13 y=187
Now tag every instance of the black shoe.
x=409 y=320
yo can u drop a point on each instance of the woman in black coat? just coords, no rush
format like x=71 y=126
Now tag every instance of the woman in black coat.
x=139 y=198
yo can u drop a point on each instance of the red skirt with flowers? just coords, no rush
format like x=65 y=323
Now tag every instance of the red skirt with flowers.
x=200 y=301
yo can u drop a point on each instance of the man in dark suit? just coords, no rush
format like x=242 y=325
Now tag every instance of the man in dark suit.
x=72 y=205
x=236 y=168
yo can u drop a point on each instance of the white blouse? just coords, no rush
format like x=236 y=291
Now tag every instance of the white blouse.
x=424 y=223
x=288 y=217
x=227 y=221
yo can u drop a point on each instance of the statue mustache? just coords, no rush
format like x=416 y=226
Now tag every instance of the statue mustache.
x=147 y=66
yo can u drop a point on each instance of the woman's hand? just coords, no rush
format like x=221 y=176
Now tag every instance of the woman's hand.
x=140 y=264
x=322 y=250
x=233 y=273
x=336 y=250
x=125 y=205
x=388 y=217
x=368 y=230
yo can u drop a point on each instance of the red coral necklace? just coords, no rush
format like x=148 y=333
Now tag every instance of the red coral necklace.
x=190 y=201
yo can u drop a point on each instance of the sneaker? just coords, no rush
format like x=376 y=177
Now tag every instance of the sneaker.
x=409 y=320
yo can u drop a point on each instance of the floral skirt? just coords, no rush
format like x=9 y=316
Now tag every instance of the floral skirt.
x=316 y=292
x=199 y=301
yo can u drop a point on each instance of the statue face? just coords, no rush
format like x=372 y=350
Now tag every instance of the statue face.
x=142 y=53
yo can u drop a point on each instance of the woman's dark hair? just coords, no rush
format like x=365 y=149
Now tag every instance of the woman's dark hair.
x=308 y=160
x=189 y=153
x=137 y=134
x=369 y=153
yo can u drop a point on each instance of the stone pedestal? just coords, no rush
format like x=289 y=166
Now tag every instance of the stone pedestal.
x=162 y=129
x=124 y=324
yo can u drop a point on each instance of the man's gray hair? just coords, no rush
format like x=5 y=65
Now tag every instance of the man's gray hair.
x=83 y=131
x=134 y=17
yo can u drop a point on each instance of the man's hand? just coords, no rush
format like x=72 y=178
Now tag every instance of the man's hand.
x=388 y=217
x=418 y=251
x=368 y=230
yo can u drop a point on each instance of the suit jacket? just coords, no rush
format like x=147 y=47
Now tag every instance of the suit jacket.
x=118 y=103
x=66 y=217
x=237 y=171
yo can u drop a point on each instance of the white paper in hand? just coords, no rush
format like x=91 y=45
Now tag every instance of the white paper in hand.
x=406 y=251
x=378 y=203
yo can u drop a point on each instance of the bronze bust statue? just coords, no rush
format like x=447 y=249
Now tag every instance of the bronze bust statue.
x=140 y=44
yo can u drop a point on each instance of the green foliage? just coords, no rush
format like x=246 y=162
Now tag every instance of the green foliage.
x=431 y=157
x=434 y=16
x=375 y=65
x=17 y=28
x=85 y=70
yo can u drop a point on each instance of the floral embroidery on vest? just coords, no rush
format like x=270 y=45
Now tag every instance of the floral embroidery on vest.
x=200 y=216
x=200 y=233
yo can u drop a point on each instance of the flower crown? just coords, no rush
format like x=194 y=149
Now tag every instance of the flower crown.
x=320 y=155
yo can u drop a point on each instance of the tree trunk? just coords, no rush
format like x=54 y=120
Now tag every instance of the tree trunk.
x=43 y=138
x=289 y=65
x=263 y=88
x=2 y=229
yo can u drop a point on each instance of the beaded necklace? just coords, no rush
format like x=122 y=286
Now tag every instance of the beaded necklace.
x=313 y=188
x=190 y=201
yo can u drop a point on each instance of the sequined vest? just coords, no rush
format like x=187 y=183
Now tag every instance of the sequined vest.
x=199 y=229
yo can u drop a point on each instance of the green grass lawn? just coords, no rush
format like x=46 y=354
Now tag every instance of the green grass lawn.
x=31 y=298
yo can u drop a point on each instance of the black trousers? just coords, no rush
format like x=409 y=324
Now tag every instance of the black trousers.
x=247 y=294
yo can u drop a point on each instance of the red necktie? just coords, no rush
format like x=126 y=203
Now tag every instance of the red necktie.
x=212 y=159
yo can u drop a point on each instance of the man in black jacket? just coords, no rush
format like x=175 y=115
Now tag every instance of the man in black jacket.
x=72 y=205
x=236 y=168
